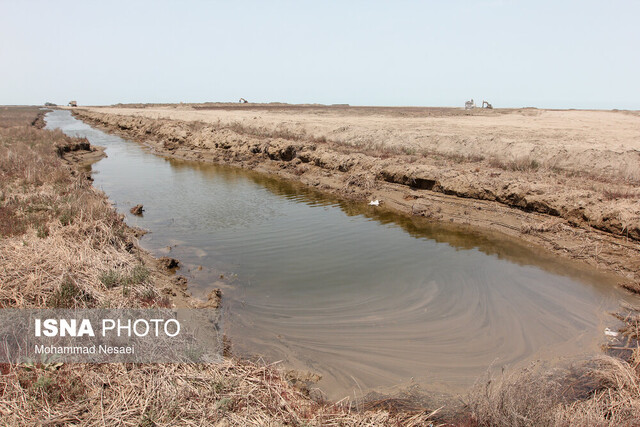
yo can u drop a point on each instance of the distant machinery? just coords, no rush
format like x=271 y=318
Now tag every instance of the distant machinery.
x=73 y=104
x=243 y=101
x=470 y=105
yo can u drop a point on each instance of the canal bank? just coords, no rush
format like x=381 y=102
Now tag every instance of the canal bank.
x=367 y=299
x=588 y=217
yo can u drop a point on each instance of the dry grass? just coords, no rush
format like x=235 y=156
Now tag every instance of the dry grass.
x=58 y=232
x=603 y=391
x=264 y=132
x=382 y=150
x=553 y=224
x=530 y=164
x=20 y=116
x=615 y=401
x=521 y=164
x=523 y=398
x=228 y=393
x=616 y=194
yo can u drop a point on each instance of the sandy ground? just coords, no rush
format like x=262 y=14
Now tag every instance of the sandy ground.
x=565 y=180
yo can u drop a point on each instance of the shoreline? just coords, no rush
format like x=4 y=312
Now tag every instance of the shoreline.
x=399 y=185
x=80 y=154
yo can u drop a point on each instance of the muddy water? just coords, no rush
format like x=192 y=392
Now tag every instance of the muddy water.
x=367 y=299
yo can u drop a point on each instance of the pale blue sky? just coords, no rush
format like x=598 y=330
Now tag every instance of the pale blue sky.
x=556 y=54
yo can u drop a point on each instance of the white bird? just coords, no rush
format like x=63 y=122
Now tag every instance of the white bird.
x=375 y=202
x=610 y=333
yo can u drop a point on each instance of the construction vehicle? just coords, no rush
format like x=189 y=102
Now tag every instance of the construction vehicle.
x=73 y=104
x=489 y=106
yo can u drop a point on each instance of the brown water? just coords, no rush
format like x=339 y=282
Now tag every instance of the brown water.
x=366 y=298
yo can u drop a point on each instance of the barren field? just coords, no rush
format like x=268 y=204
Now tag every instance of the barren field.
x=573 y=177
x=605 y=143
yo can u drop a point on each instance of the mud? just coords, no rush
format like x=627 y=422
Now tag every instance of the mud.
x=562 y=210
x=80 y=153
x=137 y=210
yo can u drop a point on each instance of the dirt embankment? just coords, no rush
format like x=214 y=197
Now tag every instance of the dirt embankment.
x=531 y=180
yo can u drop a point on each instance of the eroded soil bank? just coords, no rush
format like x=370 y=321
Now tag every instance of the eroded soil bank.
x=564 y=180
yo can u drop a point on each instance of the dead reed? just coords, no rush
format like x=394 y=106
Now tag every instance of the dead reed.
x=553 y=224
x=617 y=194
x=603 y=391
x=228 y=393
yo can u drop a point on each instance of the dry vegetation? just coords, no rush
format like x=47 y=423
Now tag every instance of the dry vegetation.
x=600 y=392
x=383 y=150
x=63 y=245
x=230 y=393
x=58 y=233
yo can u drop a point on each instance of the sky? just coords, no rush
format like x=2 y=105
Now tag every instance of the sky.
x=545 y=54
